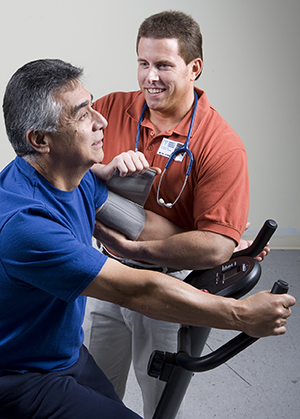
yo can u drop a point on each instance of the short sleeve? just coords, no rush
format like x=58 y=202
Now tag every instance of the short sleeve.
x=45 y=254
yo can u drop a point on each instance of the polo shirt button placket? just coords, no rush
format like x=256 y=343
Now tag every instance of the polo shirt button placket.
x=150 y=146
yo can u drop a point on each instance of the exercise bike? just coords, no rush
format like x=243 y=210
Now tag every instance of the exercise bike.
x=232 y=279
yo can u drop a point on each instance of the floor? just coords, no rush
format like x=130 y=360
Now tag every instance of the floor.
x=263 y=382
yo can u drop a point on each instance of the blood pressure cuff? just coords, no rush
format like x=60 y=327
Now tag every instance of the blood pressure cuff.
x=135 y=188
x=122 y=215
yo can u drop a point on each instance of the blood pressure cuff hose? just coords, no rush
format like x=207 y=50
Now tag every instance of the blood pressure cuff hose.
x=122 y=215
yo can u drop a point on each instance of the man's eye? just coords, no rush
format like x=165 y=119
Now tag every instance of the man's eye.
x=83 y=116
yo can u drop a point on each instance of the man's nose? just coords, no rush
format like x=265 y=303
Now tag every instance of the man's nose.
x=152 y=75
x=100 y=121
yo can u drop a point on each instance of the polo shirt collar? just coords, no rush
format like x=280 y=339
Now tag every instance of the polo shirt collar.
x=135 y=108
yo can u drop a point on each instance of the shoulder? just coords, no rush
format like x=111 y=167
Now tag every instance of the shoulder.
x=94 y=186
x=212 y=128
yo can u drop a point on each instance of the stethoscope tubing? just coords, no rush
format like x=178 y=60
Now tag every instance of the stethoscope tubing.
x=183 y=149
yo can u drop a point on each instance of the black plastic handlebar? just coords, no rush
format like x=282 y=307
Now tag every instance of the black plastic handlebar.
x=227 y=351
x=260 y=241
x=280 y=287
x=176 y=369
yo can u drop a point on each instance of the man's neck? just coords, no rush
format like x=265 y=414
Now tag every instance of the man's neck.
x=62 y=178
x=164 y=120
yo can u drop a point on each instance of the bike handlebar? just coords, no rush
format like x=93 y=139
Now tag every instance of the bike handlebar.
x=260 y=241
x=225 y=352
x=235 y=345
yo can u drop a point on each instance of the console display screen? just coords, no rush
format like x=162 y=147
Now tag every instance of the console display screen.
x=231 y=273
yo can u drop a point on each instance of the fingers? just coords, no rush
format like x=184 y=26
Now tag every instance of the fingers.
x=248 y=243
x=268 y=313
x=262 y=254
x=280 y=328
x=290 y=301
x=101 y=230
x=283 y=303
x=285 y=313
x=131 y=162
x=157 y=169
x=247 y=225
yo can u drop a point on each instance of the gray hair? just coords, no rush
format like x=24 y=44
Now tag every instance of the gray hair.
x=29 y=101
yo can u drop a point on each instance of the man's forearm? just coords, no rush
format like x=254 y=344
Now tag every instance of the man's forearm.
x=187 y=250
x=164 y=298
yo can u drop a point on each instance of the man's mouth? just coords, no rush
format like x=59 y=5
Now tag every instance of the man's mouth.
x=155 y=91
x=98 y=143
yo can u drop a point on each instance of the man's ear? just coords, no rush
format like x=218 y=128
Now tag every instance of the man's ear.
x=197 y=65
x=38 y=140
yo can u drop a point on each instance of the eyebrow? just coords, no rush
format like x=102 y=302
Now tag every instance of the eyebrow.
x=159 y=62
x=77 y=108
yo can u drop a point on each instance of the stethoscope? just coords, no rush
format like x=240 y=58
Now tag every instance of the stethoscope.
x=182 y=149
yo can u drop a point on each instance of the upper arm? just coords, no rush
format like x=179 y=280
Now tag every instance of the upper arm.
x=53 y=261
x=157 y=227
x=221 y=197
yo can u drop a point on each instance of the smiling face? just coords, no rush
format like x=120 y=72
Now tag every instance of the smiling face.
x=166 y=81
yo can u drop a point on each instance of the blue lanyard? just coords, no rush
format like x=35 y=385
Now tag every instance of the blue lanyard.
x=182 y=149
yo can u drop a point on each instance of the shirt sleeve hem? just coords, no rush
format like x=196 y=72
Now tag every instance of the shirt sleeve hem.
x=222 y=229
x=94 y=272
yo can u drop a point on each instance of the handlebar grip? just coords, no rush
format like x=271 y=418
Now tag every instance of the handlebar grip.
x=227 y=351
x=260 y=241
x=280 y=287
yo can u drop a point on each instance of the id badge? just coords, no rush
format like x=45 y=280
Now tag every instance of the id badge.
x=167 y=147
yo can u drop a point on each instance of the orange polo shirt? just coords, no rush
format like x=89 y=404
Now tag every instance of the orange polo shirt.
x=216 y=197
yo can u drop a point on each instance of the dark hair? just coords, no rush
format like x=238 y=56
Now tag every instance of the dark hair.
x=174 y=24
x=29 y=100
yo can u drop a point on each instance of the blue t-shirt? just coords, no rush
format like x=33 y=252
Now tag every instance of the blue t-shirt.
x=46 y=261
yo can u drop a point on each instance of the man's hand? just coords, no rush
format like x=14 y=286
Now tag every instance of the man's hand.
x=110 y=238
x=129 y=163
x=265 y=314
x=244 y=244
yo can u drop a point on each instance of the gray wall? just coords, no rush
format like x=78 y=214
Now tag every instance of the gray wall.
x=251 y=66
